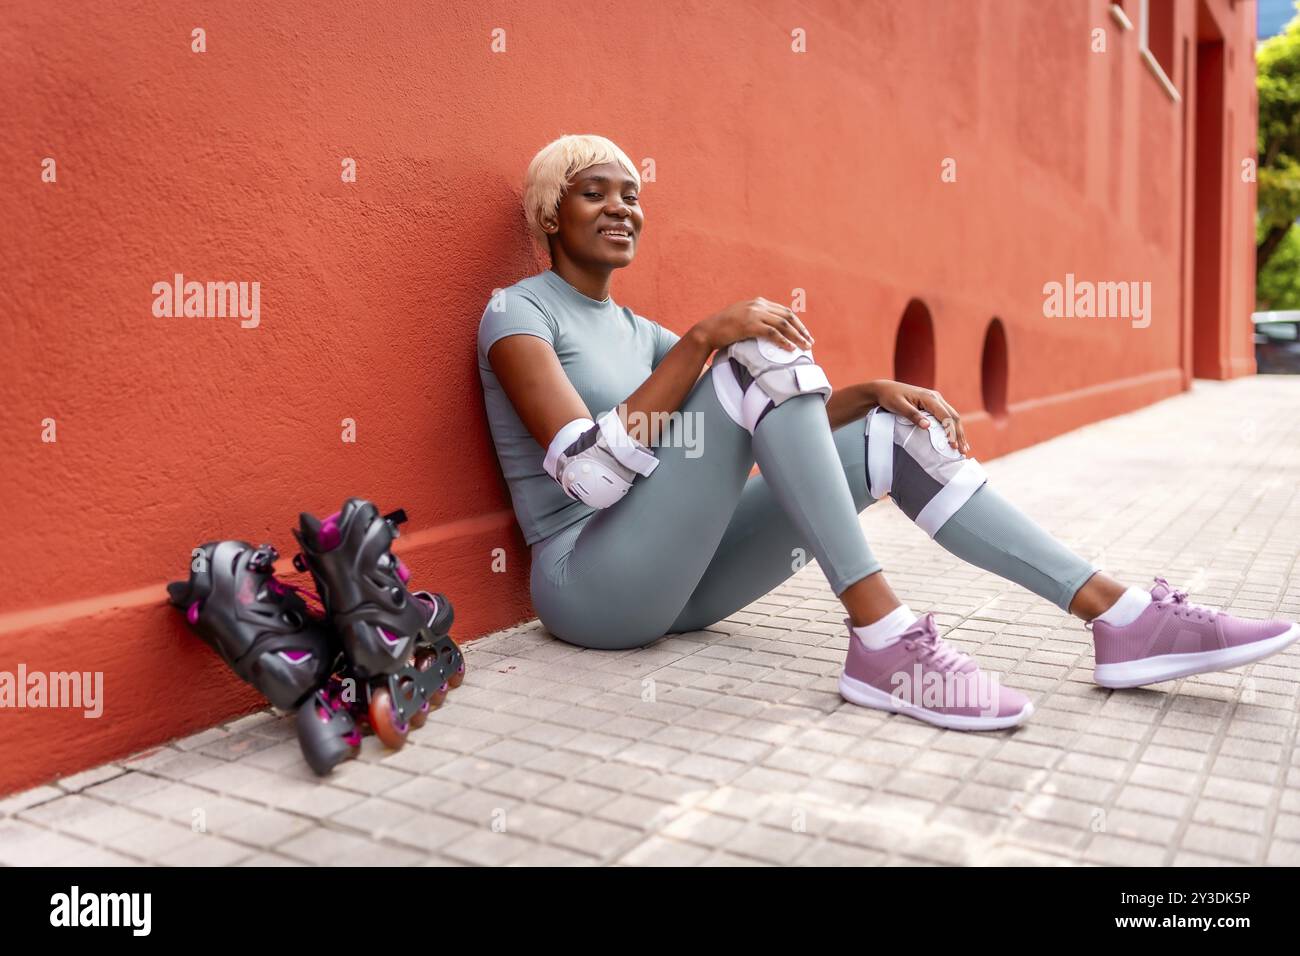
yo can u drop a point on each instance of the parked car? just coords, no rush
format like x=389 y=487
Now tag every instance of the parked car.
x=1277 y=342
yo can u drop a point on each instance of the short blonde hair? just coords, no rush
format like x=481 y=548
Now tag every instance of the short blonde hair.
x=555 y=165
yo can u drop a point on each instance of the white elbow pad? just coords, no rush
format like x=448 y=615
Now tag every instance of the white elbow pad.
x=596 y=462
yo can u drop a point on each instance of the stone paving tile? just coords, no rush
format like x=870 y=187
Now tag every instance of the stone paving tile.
x=206 y=851
x=98 y=856
x=80 y=781
x=16 y=803
x=268 y=859
x=323 y=846
x=730 y=746
x=152 y=842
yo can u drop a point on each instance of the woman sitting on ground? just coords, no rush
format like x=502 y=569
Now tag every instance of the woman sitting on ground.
x=629 y=473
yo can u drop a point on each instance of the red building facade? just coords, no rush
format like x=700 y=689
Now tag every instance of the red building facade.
x=925 y=174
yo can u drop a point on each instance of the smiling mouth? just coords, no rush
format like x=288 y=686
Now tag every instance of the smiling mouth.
x=618 y=235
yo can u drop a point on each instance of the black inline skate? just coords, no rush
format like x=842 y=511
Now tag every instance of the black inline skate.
x=262 y=628
x=396 y=642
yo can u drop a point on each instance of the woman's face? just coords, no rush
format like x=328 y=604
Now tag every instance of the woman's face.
x=599 y=219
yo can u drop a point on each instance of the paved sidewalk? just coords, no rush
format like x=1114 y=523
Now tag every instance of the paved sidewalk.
x=732 y=745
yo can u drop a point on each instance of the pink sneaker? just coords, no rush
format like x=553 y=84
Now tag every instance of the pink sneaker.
x=1174 y=638
x=923 y=676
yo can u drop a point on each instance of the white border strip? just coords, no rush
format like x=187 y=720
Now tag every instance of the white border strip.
x=629 y=452
x=1144 y=45
x=1150 y=60
x=952 y=496
x=727 y=387
x=880 y=452
x=565 y=437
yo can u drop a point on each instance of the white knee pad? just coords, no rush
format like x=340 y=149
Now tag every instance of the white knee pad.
x=928 y=478
x=596 y=462
x=754 y=376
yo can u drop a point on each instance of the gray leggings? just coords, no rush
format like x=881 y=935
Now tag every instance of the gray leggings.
x=699 y=539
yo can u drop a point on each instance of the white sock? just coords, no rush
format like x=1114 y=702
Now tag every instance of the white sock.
x=1127 y=609
x=887 y=630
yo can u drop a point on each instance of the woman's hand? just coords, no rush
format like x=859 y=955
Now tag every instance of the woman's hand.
x=755 y=319
x=909 y=400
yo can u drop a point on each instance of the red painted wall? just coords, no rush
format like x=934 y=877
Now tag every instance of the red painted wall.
x=775 y=170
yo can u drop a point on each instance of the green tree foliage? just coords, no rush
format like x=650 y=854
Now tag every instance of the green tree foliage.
x=1277 y=286
x=1278 y=81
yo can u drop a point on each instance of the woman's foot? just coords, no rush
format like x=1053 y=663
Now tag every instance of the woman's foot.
x=921 y=675
x=1173 y=638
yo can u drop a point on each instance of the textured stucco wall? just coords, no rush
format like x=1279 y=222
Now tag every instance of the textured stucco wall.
x=775 y=170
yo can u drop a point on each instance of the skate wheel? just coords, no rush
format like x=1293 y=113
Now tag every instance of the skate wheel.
x=420 y=716
x=383 y=720
x=424 y=661
x=455 y=679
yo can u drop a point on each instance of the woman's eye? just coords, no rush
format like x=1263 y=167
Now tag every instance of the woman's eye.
x=592 y=195
x=630 y=199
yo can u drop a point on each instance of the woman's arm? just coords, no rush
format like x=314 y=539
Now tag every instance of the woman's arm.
x=534 y=381
x=667 y=386
x=849 y=402
x=854 y=401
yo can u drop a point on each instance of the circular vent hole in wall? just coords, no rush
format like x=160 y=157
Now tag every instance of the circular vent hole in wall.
x=914 y=346
x=993 y=370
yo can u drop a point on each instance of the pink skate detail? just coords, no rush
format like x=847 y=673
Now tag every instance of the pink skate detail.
x=329 y=536
x=389 y=638
x=303 y=592
x=402 y=571
x=296 y=657
x=192 y=612
x=429 y=601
